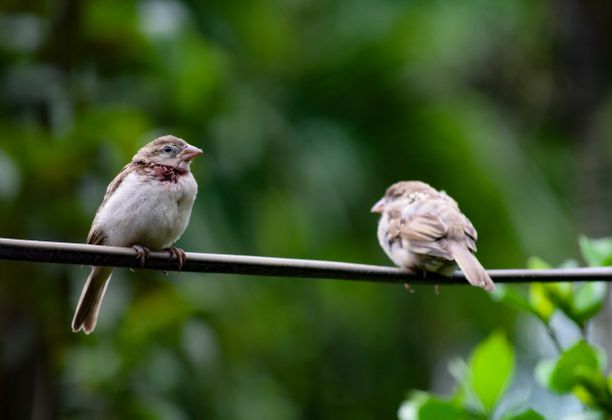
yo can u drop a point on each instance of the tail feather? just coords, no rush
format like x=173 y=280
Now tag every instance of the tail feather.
x=474 y=272
x=86 y=313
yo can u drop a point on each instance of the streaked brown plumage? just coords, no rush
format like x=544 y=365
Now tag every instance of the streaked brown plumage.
x=423 y=229
x=147 y=206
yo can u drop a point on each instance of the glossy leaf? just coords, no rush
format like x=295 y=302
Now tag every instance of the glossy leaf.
x=424 y=406
x=570 y=263
x=587 y=300
x=537 y=263
x=559 y=293
x=596 y=252
x=525 y=415
x=563 y=373
x=511 y=296
x=460 y=372
x=539 y=301
x=586 y=415
x=491 y=368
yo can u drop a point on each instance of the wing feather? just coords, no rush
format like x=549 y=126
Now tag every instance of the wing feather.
x=437 y=248
x=470 y=235
x=425 y=232
x=96 y=235
x=116 y=182
x=423 y=227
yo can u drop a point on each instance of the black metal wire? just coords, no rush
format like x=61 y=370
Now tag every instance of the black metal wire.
x=82 y=254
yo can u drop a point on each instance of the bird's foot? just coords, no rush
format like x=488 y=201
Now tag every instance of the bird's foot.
x=179 y=254
x=408 y=287
x=437 y=289
x=142 y=254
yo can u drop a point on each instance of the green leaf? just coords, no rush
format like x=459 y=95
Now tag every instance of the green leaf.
x=609 y=382
x=596 y=252
x=587 y=300
x=559 y=293
x=525 y=415
x=586 y=415
x=537 y=263
x=511 y=296
x=593 y=389
x=571 y=263
x=460 y=372
x=491 y=367
x=563 y=373
x=539 y=301
x=424 y=406
x=544 y=371
x=434 y=409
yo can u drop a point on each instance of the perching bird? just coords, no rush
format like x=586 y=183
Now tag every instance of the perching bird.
x=147 y=207
x=423 y=229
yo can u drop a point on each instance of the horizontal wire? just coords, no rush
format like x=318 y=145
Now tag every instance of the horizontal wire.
x=82 y=254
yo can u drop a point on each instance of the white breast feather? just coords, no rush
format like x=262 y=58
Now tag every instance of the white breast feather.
x=147 y=212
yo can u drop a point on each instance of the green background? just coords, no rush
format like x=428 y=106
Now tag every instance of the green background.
x=306 y=111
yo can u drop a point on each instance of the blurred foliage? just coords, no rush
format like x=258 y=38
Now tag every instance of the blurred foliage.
x=578 y=369
x=578 y=302
x=481 y=384
x=306 y=112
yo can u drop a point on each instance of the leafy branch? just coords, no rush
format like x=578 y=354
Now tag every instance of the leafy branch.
x=578 y=369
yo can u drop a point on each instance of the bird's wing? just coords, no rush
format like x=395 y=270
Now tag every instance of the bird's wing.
x=96 y=235
x=112 y=187
x=424 y=232
x=470 y=234
x=423 y=227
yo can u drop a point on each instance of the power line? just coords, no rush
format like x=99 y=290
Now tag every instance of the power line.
x=82 y=254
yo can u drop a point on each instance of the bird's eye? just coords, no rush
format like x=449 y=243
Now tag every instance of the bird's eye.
x=167 y=149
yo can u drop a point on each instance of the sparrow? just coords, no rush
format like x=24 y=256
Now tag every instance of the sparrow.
x=146 y=207
x=422 y=229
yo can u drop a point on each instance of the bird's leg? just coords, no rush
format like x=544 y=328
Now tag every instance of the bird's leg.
x=419 y=271
x=179 y=254
x=142 y=254
x=436 y=286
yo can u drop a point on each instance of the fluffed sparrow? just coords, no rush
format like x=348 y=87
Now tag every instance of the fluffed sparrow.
x=147 y=206
x=423 y=229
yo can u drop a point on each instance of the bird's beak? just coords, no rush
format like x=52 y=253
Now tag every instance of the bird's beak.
x=379 y=207
x=190 y=152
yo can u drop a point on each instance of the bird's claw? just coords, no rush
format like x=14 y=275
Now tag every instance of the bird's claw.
x=408 y=288
x=179 y=254
x=142 y=254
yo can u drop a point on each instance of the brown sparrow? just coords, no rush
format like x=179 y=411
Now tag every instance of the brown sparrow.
x=423 y=229
x=147 y=206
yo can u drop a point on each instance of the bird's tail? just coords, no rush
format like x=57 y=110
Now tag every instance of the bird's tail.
x=471 y=267
x=87 y=310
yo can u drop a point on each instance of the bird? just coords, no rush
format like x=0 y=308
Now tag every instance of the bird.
x=422 y=229
x=147 y=206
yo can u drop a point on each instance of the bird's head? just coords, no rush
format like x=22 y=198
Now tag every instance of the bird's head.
x=400 y=193
x=168 y=151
